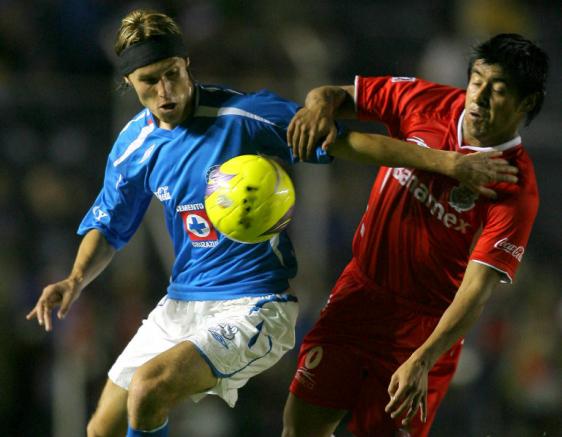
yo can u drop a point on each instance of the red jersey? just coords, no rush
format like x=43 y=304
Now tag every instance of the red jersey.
x=420 y=229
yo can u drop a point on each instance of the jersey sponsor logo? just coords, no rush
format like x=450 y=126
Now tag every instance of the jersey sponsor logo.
x=99 y=214
x=462 y=199
x=224 y=333
x=190 y=207
x=421 y=193
x=163 y=194
x=403 y=79
x=514 y=250
x=197 y=225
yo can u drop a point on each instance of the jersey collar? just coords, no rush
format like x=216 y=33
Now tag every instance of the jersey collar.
x=499 y=147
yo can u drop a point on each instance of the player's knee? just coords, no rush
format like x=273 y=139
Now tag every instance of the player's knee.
x=147 y=394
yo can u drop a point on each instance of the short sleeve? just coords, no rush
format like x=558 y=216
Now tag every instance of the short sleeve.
x=506 y=233
x=119 y=207
x=391 y=100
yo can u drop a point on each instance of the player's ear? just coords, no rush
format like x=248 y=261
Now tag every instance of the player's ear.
x=187 y=62
x=529 y=102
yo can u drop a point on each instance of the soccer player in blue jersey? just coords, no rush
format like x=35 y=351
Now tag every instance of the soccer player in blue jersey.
x=228 y=313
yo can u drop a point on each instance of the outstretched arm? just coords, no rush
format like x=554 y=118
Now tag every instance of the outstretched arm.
x=94 y=254
x=474 y=170
x=408 y=385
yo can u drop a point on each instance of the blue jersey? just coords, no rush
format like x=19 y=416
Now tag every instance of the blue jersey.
x=173 y=165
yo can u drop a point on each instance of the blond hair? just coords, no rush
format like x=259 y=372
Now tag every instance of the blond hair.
x=141 y=24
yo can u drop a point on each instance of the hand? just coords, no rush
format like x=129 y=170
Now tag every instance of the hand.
x=408 y=391
x=476 y=170
x=307 y=128
x=61 y=294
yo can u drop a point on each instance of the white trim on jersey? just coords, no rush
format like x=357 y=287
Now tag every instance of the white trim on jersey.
x=505 y=280
x=355 y=91
x=209 y=111
x=274 y=243
x=141 y=115
x=137 y=143
x=499 y=148
x=386 y=176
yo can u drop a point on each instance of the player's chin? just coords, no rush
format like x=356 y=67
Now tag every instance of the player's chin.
x=170 y=117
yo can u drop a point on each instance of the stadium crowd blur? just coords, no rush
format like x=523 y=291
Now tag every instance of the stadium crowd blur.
x=60 y=111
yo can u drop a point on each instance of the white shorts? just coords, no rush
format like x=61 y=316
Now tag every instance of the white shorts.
x=238 y=338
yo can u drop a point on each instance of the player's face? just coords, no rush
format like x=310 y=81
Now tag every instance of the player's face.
x=493 y=110
x=166 y=89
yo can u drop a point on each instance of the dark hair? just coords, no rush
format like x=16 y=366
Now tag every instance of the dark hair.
x=522 y=60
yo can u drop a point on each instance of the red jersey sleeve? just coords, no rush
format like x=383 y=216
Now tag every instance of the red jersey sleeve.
x=392 y=99
x=508 y=227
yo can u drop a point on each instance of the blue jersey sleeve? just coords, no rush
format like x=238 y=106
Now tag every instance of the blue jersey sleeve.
x=273 y=140
x=121 y=204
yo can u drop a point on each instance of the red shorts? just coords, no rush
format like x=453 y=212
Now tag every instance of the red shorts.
x=361 y=338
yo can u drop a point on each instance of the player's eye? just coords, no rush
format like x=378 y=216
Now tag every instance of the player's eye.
x=172 y=74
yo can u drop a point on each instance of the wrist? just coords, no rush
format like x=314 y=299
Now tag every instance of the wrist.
x=423 y=358
x=451 y=164
x=76 y=279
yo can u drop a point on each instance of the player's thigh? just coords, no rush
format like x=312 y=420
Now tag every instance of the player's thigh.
x=301 y=419
x=110 y=417
x=174 y=374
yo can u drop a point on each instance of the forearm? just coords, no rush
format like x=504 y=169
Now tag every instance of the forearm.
x=390 y=152
x=94 y=255
x=454 y=324
x=459 y=317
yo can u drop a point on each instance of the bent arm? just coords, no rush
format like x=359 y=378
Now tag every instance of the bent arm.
x=408 y=385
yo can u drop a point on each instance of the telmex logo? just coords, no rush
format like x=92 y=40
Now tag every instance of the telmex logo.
x=421 y=193
x=515 y=251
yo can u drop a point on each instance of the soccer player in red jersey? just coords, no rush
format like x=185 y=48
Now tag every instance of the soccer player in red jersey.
x=427 y=253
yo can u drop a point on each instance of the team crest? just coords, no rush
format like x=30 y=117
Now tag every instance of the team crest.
x=462 y=199
x=199 y=228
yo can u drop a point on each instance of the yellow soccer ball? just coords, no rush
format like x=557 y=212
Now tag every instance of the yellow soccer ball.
x=249 y=198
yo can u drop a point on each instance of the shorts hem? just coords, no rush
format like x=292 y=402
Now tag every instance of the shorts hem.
x=217 y=372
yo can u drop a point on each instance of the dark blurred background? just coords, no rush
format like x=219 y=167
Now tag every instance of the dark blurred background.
x=60 y=112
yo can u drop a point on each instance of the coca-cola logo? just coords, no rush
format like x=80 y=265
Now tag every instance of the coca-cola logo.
x=516 y=251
